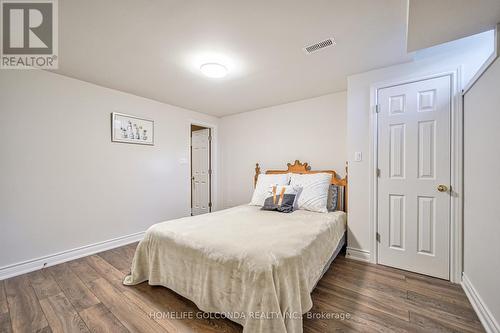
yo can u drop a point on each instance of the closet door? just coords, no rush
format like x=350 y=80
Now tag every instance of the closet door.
x=200 y=166
x=414 y=176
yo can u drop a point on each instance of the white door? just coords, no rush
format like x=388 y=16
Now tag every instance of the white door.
x=414 y=176
x=200 y=166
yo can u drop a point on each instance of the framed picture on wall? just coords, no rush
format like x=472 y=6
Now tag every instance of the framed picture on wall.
x=131 y=129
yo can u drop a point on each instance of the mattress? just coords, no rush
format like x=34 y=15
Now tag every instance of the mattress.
x=257 y=268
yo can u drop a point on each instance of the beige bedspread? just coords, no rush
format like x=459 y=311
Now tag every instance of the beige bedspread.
x=256 y=267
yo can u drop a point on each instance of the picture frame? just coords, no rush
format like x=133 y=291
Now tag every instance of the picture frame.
x=127 y=128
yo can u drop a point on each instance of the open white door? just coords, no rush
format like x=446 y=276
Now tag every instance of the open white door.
x=200 y=171
x=414 y=176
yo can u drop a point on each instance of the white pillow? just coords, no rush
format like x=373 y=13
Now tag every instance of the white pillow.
x=314 y=194
x=264 y=182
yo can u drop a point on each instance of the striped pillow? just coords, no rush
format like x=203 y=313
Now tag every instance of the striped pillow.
x=314 y=194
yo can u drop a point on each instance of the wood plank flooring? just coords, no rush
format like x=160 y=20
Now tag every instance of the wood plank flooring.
x=86 y=295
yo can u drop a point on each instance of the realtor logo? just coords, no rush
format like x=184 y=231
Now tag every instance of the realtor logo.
x=29 y=34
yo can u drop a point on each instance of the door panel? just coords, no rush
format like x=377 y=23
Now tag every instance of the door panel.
x=426 y=221
x=426 y=149
x=414 y=158
x=396 y=221
x=200 y=165
x=397 y=151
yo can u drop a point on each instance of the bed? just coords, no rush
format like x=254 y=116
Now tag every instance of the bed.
x=257 y=268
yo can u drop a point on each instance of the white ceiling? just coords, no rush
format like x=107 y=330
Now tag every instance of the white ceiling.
x=434 y=22
x=154 y=48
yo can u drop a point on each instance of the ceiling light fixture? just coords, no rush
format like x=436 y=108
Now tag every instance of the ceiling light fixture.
x=213 y=70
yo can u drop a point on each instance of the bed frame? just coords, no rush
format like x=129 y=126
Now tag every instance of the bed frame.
x=304 y=168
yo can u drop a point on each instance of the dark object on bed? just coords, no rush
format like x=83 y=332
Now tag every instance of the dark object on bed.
x=282 y=203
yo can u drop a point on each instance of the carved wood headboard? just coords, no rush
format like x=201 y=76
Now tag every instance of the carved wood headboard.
x=304 y=168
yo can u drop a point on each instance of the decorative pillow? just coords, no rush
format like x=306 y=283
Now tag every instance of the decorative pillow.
x=333 y=198
x=281 y=198
x=264 y=182
x=314 y=194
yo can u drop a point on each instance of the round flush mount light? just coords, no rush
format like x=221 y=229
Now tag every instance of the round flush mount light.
x=213 y=70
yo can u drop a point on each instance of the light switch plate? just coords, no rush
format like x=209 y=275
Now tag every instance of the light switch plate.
x=358 y=156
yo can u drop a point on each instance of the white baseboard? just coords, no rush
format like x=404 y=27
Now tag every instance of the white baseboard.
x=484 y=314
x=357 y=254
x=57 y=258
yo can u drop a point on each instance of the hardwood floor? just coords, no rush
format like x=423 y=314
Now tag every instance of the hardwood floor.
x=86 y=295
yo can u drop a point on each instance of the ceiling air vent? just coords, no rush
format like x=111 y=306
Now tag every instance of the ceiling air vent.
x=319 y=46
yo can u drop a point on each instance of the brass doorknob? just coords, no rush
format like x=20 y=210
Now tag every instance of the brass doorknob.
x=442 y=188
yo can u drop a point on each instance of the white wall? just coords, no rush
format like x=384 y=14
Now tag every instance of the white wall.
x=435 y=22
x=312 y=130
x=64 y=184
x=482 y=188
x=467 y=54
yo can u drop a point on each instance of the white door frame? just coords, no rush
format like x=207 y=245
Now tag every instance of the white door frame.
x=456 y=210
x=214 y=189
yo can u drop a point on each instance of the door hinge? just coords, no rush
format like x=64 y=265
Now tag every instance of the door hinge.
x=378 y=172
x=210 y=137
x=210 y=172
x=377 y=108
x=377 y=236
x=209 y=205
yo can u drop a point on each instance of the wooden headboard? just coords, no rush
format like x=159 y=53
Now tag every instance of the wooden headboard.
x=304 y=168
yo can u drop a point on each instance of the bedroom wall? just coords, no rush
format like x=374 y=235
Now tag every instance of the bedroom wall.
x=468 y=54
x=482 y=191
x=64 y=184
x=311 y=130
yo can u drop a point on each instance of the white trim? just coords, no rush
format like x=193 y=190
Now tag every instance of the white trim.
x=60 y=257
x=456 y=227
x=214 y=165
x=357 y=254
x=485 y=316
x=373 y=163
x=456 y=177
